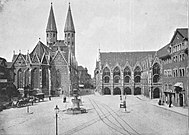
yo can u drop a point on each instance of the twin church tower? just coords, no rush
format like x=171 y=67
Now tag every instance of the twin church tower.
x=69 y=30
x=50 y=68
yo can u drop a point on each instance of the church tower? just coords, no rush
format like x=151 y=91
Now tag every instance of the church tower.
x=69 y=31
x=51 y=31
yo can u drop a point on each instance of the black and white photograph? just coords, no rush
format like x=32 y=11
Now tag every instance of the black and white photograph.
x=94 y=67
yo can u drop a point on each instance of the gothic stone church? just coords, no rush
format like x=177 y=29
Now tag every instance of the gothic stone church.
x=51 y=68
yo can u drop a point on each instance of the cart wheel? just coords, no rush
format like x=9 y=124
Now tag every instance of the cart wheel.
x=18 y=104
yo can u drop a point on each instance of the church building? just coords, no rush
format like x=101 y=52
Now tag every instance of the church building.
x=51 y=67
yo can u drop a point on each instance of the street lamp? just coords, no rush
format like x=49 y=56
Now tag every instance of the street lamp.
x=56 y=111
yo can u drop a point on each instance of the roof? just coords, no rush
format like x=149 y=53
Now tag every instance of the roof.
x=9 y=64
x=183 y=32
x=80 y=68
x=163 y=51
x=121 y=58
x=69 y=26
x=40 y=49
x=51 y=25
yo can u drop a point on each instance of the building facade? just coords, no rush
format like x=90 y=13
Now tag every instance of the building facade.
x=174 y=60
x=123 y=72
x=6 y=77
x=51 y=68
x=156 y=74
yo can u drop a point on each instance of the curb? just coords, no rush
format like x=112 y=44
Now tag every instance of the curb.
x=164 y=107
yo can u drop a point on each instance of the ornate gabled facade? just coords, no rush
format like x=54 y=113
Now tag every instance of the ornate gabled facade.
x=122 y=72
x=158 y=74
x=51 y=68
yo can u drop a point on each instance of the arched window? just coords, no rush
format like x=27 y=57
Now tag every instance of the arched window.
x=116 y=79
x=137 y=74
x=116 y=75
x=20 y=78
x=27 y=77
x=127 y=75
x=106 y=79
x=58 y=78
x=44 y=77
x=106 y=75
x=116 y=71
x=35 y=78
x=106 y=72
x=156 y=72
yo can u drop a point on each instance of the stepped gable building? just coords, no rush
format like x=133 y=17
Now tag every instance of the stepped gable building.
x=50 y=68
x=121 y=72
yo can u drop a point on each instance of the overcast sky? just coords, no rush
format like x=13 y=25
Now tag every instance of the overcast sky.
x=111 y=25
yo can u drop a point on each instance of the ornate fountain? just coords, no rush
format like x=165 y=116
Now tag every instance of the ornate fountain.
x=76 y=102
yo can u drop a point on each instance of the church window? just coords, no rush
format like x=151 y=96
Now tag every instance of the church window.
x=47 y=35
x=53 y=34
x=65 y=35
x=68 y=34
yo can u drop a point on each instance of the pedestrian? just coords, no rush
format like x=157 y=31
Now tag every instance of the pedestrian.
x=120 y=97
x=50 y=97
x=170 y=103
x=64 y=99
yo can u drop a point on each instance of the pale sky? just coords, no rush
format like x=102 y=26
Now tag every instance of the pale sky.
x=111 y=25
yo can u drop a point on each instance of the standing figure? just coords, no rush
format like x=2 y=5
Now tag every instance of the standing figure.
x=64 y=99
x=120 y=97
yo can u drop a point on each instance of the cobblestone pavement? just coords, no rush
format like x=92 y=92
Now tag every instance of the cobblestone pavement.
x=103 y=117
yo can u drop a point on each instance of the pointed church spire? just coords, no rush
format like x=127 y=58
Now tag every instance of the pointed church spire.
x=51 y=25
x=69 y=26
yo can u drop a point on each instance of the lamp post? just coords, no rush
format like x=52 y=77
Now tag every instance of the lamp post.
x=56 y=111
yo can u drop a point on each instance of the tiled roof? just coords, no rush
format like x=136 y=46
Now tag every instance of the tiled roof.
x=51 y=25
x=39 y=49
x=183 y=32
x=69 y=25
x=163 y=51
x=121 y=58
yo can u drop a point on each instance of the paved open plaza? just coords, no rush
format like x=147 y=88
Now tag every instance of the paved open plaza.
x=104 y=117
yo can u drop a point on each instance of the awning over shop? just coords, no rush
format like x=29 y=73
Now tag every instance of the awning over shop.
x=170 y=92
x=179 y=84
x=178 y=87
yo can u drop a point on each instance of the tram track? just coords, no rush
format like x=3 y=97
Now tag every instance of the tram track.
x=85 y=125
x=119 y=120
x=109 y=117
x=121 y=129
